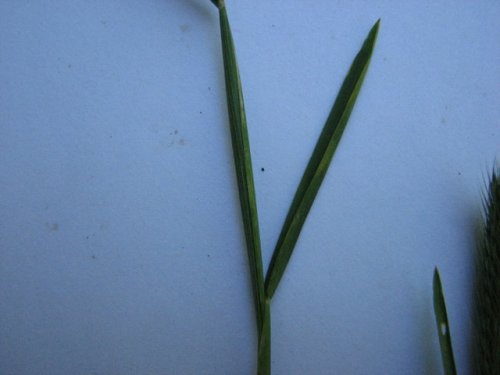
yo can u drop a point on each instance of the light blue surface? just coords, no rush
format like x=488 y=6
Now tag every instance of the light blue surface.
x=121 y=242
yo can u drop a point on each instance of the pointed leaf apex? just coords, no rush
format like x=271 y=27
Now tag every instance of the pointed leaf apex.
x=374 y=30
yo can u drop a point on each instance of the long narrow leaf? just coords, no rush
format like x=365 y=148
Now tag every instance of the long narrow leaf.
x=443 y=326
x=319 y=162
x=243 y=162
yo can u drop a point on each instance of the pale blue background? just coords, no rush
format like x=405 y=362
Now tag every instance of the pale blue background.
x=120 y=233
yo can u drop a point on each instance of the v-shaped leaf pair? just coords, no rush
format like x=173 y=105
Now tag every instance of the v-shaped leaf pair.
x=308 y=187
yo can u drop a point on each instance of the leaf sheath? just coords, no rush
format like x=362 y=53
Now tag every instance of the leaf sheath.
x=319 y=162
x=264 y=352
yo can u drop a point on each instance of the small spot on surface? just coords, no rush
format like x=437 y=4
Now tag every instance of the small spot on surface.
x=93 y=256
x=262 y=169
x=172 y=139
x=185 y=27
x=443 y=328
x=52 y=226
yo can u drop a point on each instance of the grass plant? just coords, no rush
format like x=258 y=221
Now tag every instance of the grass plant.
x=307 y=189
x=487 y=344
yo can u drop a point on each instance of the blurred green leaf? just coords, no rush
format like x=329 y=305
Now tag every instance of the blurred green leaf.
x=443 y=326
x=487 y=284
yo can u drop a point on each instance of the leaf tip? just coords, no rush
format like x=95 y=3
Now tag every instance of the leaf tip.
x=218 y=3
x=436 y=280
x=375 y=28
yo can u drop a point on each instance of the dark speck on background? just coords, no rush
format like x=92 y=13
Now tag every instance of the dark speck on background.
x=52 y=226
x=185 y=27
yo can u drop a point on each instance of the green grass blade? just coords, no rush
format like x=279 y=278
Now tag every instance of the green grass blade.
x=443 y=326
x=319 y=162
x=243 y=162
